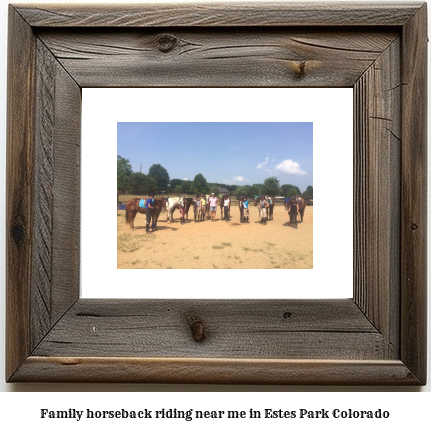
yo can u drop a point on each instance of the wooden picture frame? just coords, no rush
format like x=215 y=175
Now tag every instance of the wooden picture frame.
x=376 y=338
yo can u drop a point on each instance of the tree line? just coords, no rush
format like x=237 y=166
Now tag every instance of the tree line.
x=157 y=180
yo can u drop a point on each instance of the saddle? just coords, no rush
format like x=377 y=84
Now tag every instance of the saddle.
x=143 y=203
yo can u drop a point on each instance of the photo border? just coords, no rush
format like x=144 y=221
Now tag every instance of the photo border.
x=379 y=337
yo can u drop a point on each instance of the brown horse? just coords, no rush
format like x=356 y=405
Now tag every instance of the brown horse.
x=270 y=201
x=301 y=206
x=188 y=203
x=132 y=208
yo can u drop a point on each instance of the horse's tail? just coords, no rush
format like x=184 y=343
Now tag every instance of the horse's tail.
x=128 y=215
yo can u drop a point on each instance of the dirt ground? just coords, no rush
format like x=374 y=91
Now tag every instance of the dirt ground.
x=217 y=244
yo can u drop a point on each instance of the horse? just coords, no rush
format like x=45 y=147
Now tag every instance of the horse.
x=172 y=205
x=301 y=206
x=270 y=209
x=222 y=199
x=132 y=208
x=188 y=203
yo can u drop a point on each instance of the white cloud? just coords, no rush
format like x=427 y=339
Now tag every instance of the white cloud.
x=238 y=179
x=290 y=167
x=185 y=179
x=261 y=165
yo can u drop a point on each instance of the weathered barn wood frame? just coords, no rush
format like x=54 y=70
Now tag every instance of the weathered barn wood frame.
x=378 y=337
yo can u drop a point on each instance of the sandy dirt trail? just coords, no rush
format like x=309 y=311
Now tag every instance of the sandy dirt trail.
x=217 y=245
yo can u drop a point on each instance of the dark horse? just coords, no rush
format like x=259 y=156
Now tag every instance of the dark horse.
x=301 y=206
x=270 y=201
x=132 y=207
x=188 y=203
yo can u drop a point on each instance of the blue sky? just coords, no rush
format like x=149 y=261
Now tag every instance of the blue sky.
x=228 y=153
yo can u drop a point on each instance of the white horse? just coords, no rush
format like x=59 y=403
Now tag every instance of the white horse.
x=171 y=205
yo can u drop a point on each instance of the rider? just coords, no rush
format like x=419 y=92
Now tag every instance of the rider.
x=148 y=211
x=213 y=206
x=294 y=211
x=245 y=205
x=263 y=209
x=226 y=205
x=198 y=206
x=203 y=205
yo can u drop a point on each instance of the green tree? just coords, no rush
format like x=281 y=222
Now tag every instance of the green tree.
x=185 y=186
x=136 y=183
x=309 y=191
x=271 y=186
x=288 y=190
x=214 y=189
x=254 y=190
x=124 y=170
x=306 y=196
x=149 y=185
x=160 y=174
x=242 y=191
x=177 y=189
x=199 y=185
x=232 y=187
x=173 y=183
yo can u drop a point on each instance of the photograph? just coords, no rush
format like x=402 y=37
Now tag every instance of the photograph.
x=75 y=311
x=220 y=195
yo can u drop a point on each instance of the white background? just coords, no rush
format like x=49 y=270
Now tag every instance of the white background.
x=330 y=110
x=409 y=410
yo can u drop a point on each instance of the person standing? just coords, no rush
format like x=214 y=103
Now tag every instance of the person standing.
x=226 y=207
x=263 y=209
x=213 y=206
x=198 y=207
x=294 y=212
x=149 y=211
x=246 y=211
x=203 y=206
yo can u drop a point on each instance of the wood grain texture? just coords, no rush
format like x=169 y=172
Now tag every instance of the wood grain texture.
x=413 y=194
x=378 y=338
x=215 y=371
x=19 y=200
x=227 y=58
x=377 y=101
x=55 y=278
x=221 y=15
x=234 y=329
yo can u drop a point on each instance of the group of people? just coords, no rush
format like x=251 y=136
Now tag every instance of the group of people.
x=212 y=202
x=201 y=201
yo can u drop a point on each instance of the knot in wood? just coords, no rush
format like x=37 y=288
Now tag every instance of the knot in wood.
x=197 y=327
x=167 y=42
x=18 y=233
x=300 y=69
x=414 y=226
